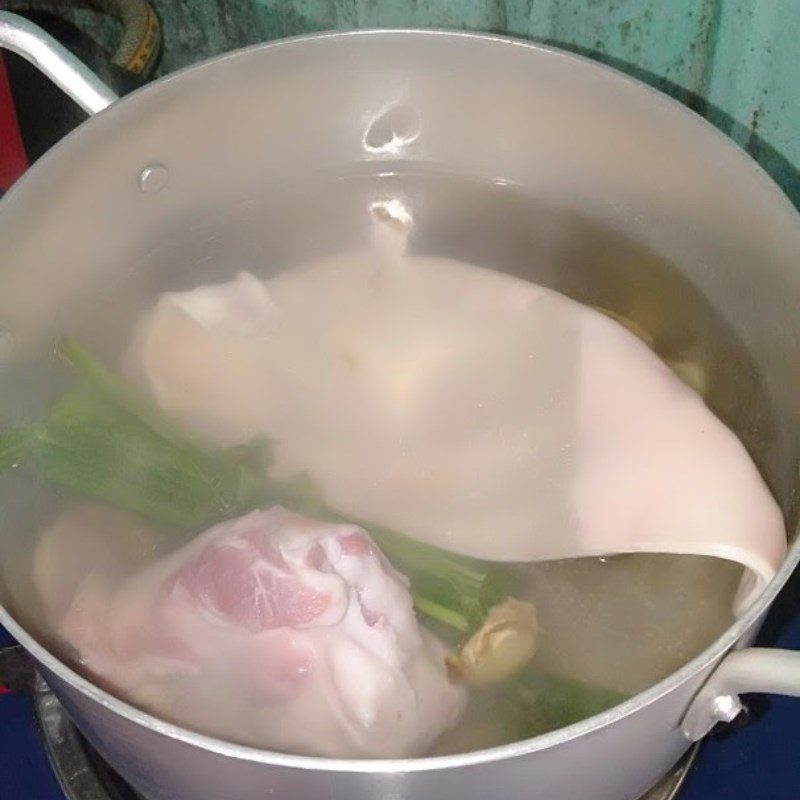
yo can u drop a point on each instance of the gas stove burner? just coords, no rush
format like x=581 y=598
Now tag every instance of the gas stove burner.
x=81 y=772
x=669 y=787
x=84 y=775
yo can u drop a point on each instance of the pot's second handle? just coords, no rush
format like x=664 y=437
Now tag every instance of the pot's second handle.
x=54 y=60
x=762 y=670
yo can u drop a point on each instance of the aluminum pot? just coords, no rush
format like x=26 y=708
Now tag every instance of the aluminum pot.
x=591 y=141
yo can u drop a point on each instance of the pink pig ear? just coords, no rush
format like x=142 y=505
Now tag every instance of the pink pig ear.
x=254 y=590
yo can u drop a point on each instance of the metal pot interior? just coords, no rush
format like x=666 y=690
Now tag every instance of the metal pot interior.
x=510 y=156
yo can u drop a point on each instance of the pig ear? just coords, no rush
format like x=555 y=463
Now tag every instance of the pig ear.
x=203 y=377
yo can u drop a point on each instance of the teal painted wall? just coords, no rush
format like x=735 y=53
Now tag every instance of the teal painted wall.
x=735 y=61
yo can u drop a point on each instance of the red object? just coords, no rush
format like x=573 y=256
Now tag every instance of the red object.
x=13 y=161
x=4 y=689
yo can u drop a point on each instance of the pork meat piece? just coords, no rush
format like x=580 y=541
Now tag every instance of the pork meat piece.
x=273 y=630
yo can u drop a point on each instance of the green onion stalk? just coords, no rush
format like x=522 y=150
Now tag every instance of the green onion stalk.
x=105 y=440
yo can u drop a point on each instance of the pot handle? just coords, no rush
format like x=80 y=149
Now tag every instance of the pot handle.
x=751 y=670
x=25 y=39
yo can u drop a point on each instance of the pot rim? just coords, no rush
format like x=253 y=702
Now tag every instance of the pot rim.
x=430 y=763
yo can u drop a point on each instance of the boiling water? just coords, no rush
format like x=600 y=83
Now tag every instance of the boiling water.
x=622 y=622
